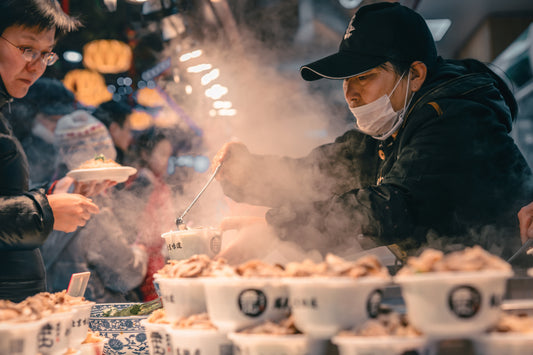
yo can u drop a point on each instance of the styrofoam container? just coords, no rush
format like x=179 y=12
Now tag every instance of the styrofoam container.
x=269 y=344
x=453 y=304
x=55 y=333
x=380 y=345
x=322 y=306
x=199 y=341
x=80 y=323
x=234 y=303
x=181 y=297
x=182 y=244
x=159 y=340
x=19 y=338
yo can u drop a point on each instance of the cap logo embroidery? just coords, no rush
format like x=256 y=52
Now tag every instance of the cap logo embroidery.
x=350 y=28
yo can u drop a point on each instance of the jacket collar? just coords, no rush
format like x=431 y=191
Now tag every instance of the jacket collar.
x=4 y=96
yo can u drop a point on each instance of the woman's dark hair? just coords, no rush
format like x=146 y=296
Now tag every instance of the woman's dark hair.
x=147 y=140
x=112 y=111
x=41 y=14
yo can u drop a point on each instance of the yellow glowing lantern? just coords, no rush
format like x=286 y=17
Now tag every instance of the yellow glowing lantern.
x=108 y=56
x=88 y=86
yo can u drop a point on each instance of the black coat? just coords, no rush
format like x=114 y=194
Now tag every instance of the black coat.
x=26 y=219
x=452 y=177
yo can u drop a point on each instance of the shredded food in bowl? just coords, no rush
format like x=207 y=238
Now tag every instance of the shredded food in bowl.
x=335 y=266
x=470 y=259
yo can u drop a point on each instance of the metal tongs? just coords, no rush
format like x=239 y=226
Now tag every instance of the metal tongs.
x=179 y=220
x=524 y=250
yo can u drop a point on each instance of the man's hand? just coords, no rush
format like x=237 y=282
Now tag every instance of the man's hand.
x=234 y=158
x=525 y=217
x=71 y=211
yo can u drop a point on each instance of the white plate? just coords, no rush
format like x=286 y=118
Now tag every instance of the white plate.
x=118 y=174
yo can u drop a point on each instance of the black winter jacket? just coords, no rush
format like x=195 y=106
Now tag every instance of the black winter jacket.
x=451 y=177
x=26 y=219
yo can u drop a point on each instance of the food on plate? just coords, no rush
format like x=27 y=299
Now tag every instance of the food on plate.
x=99 y=161
x=334 y=266
x=470 y=259
x=386 y=324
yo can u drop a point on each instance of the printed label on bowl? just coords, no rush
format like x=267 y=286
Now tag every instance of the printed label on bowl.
x=373 y=303
x=252 y=302
x=464 y=301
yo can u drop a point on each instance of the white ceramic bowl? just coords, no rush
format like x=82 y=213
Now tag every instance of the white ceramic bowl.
x=159 y=341
x=234 y=303
x=199 y=341
x=19 y=338
x=183 y=244
x=383 y=345
x=126 y=335
x=181 y=297
x=322 y=306
x=93 y=348
x=504 y=343
x=80 y=323
x=268 y=344
x=55 y=333
x=453 y=304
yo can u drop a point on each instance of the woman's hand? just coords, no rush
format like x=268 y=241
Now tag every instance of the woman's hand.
x=71 y=211
x=525 y=217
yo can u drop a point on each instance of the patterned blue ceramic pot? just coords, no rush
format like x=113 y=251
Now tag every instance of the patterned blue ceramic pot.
x=126 y=335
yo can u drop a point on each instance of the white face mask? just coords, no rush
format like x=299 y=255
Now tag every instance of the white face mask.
x=378 y=119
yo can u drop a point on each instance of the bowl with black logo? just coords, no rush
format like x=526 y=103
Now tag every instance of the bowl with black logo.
x=323 y=306
x=234 y=303
x=454 y=304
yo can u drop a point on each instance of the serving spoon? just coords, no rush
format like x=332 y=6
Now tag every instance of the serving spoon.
x=179 y=220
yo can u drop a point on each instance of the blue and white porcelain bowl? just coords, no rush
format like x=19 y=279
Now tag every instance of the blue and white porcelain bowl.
x=126 y=335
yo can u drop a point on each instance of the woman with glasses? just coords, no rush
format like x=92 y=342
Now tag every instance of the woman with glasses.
x=28 y=30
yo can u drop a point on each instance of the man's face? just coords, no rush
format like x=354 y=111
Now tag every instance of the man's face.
x=371 y=85
x=18 y=74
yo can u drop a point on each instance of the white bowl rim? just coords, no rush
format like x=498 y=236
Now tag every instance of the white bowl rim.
x=263 y=336
x=169 y=233
x=195 y=279
x=8 y=324
x=194 y=331
x=320 y=280
x=383 y=339
x=453 y=275
x=241 y=279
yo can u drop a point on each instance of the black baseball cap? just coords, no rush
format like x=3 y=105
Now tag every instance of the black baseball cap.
x=377 y=33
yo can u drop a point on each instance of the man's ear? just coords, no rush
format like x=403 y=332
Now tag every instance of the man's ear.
x=418 y=72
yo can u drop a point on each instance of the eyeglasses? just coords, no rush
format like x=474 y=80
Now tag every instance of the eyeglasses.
x=29 y=54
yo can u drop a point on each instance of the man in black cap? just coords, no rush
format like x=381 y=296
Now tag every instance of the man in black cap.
x=429 y=162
